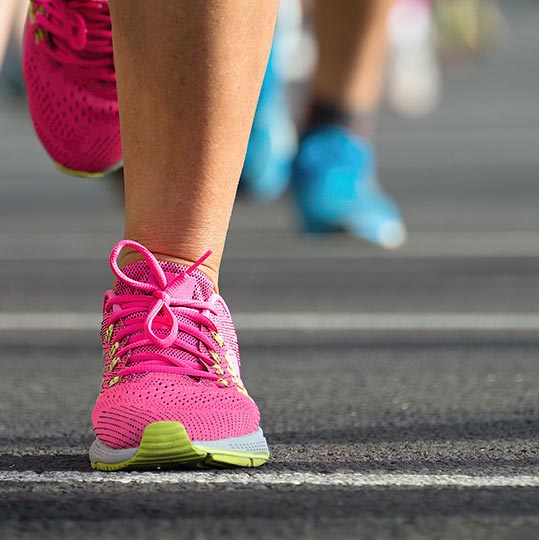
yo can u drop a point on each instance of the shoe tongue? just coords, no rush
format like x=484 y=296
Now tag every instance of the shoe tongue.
x=197 y=286
x=187 y=289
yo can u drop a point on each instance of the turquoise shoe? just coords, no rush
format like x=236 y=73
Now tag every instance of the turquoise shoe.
x=272 y=144
x=335 y=187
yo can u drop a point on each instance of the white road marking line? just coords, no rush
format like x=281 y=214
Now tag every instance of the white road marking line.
x=388 y=321
x=308 y=322
x=351 y=479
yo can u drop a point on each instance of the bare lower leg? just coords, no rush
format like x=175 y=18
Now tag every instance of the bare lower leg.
x=18 y=26
x=189 y=74
x=352 y=41
x=8 y=10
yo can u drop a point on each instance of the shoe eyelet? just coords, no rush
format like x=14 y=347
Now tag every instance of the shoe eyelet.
x=215 y=356
x=39 y=36
x=218 y=338
x=114 y=362
x=108 y=335
x=32 y=13
x=218 y=369
x=114 y=349
x=114 y=380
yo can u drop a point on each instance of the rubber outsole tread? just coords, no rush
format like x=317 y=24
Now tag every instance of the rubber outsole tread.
x=84 y=174
x=166 y=445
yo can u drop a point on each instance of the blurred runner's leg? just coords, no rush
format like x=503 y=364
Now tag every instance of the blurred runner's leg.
x=334 y=176
x=352 y=42
x=8 y=10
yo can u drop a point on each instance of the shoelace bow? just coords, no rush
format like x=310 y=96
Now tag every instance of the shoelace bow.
x=144 y=315
x=80 y=35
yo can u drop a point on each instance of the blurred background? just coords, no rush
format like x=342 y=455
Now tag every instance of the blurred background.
x=443 y=379
x=456 y=139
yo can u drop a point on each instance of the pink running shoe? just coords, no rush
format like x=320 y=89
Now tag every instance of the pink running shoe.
x=71 y=83
x=171 y=393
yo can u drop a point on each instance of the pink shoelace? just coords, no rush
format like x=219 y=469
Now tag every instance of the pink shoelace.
x=80 y=36
x=151 y=319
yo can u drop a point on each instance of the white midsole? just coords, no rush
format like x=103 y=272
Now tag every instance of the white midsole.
x=254 y=442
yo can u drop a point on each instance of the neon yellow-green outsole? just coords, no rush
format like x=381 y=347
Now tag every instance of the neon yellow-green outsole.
x=167 y=445
x=84 y=174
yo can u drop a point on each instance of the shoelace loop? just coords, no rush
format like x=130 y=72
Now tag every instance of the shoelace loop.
x=76 y=30
x=164 y=298
x=160 y=326
x=81 y=35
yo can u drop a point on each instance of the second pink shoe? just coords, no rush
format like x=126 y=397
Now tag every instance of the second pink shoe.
x=71 y=84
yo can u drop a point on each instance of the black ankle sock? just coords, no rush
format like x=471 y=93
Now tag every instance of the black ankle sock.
x=362 y=124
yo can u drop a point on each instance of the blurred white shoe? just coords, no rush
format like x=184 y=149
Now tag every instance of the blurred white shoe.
x=414 y=84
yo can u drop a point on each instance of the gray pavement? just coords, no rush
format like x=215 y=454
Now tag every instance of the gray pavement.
x=389 y=433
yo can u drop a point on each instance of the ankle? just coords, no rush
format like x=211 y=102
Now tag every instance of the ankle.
x=323 y=113
x=129 y=256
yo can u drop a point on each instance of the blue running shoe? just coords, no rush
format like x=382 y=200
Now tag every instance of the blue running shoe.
x=334 y=183
x=273 y=142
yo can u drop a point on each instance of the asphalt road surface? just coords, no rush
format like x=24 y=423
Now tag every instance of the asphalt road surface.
x=399 y=392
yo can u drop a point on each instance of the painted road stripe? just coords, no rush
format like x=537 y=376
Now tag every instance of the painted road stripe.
x=254 y=479
x=407 y=322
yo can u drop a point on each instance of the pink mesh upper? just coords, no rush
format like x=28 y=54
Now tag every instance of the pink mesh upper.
x=207 y=413
x=208 y=410
x=74 y=111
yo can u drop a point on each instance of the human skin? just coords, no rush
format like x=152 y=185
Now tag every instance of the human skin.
x=12 y=16
x=189 y=75
x=352 y=39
